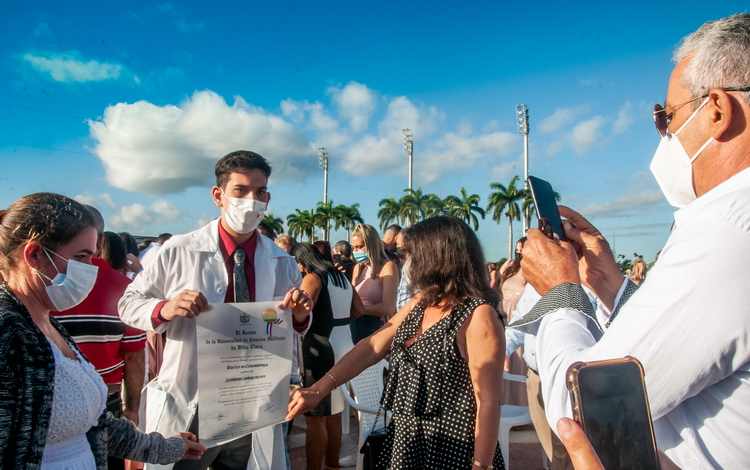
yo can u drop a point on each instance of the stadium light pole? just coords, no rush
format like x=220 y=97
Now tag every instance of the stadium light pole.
x=409 y=149
x=522 y=118
x=323 y=160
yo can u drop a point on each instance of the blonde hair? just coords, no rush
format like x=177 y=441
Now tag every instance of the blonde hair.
x=373 y=247
x=285 y=242
x=639 y=271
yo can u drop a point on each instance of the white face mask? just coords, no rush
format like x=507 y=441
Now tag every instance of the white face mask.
x=70 y=289
x=243 y=215
x=673 y=168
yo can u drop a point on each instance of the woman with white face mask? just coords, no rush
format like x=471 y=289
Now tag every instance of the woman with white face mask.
x=51 y=398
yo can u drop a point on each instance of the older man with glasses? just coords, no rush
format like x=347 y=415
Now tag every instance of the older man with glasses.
x=689 y=324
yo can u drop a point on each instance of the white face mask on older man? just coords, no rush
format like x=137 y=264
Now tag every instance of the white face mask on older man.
x=72 y=288
x=673 y=168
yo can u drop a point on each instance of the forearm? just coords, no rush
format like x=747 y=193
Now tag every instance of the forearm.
x=133 y=375
x=485 y=432
x=364 y=354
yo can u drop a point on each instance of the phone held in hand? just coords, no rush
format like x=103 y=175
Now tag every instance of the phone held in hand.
x=336 y=258
x=610 y=404
x=546 y=208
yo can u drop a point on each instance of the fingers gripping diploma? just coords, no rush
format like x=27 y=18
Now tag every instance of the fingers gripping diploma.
x=300 y=302
x=548 y=262
x=188 y=304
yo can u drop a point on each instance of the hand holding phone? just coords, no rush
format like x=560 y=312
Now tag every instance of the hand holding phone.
x=546 y=208
x=610 y=404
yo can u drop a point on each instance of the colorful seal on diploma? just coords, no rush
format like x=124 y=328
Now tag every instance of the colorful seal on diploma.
x=270 y=315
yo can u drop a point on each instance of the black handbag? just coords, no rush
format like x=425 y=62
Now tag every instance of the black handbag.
x=372 y=448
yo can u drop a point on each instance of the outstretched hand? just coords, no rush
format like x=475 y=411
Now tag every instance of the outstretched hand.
x=597 y=267
x=193 y=449
x=302 y=401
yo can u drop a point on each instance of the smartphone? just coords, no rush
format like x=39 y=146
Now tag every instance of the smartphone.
x=546 y=206
x=610 y=404
x=336 y=258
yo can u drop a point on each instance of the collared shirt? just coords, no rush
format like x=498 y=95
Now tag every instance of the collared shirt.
x=688 y=324
x=227 y=247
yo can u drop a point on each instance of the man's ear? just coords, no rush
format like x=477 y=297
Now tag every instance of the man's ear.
x=99 y=245
x=721 y=112
x=216 y=195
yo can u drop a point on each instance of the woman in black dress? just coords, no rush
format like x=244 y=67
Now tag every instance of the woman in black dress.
x=447 y=351
x=334 y=299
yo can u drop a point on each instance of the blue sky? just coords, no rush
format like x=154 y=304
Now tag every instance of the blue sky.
x=128 y=105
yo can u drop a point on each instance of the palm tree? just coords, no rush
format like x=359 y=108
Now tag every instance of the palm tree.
x=464 y=207
x=276 y=223
x=324 y=213
x=390 y=212
x=347 y=217
x=301 y=223
x=416 y=205
x=506 y=198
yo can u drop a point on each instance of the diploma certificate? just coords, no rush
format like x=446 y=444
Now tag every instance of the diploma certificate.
x=244 y=363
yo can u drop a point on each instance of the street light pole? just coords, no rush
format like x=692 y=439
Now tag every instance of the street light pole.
x=323 y=160
x=522 y=118
x=409 y=149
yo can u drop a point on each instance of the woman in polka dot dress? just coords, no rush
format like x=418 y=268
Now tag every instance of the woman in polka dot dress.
x=447 y=351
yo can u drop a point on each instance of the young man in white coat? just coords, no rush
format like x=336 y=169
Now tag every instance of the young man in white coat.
x=196 y=269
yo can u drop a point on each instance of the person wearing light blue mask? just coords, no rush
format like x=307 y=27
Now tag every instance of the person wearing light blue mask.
x=52 y=399
x=376 y=280
x=695 y=368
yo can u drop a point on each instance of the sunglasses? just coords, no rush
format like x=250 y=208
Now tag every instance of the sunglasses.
x=662 y=118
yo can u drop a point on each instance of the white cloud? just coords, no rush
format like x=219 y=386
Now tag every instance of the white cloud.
x=559 y=118
x=385 y=152
x=97 y=200
x=504 y=171
x=136 y=216
x=586 y=134
x=67 y=68
x=166 y=210
x=639 y=201
x=160 y=150
x=355 y=103
x=624 y=119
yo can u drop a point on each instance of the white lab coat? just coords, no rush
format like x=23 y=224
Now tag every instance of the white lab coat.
x=194 y=261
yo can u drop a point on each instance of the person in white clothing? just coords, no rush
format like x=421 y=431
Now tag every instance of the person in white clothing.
x=196 y=269
x=696 y=370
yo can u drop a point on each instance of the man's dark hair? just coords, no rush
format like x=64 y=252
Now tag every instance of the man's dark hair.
x=240 y=161
x=98 y=219
x=163 y=238
x=344 y=248
x=396 y=229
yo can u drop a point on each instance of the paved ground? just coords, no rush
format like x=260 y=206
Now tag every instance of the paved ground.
x=525 y=450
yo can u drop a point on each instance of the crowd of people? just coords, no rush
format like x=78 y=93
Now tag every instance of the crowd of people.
x=87 y=317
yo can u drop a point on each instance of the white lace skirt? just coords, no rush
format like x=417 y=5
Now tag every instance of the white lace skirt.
x=74 y=454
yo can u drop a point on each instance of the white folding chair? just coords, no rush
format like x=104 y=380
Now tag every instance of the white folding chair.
x=510 y=417
x=363 y=393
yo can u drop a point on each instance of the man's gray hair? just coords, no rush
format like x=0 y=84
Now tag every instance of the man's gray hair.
x=720 y=53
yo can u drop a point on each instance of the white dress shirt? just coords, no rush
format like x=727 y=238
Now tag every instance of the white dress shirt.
x=689 y=325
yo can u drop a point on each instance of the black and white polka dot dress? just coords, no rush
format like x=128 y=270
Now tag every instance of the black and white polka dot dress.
x=430 y=393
